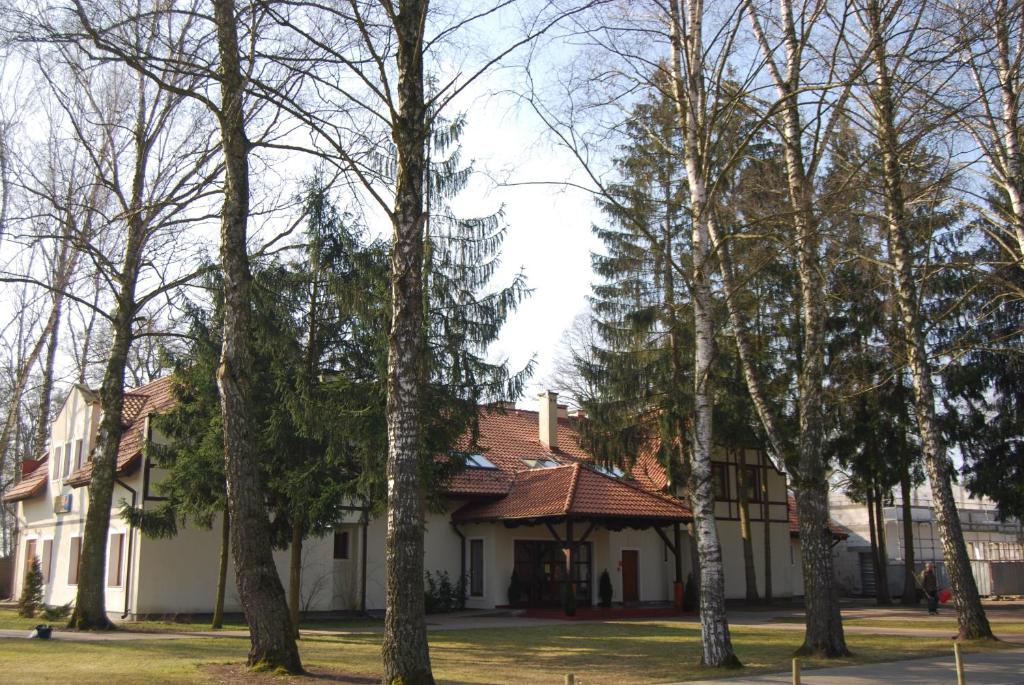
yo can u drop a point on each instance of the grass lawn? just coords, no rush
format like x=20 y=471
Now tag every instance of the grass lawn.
x=9 y=619
x=923 y=622
x=599 y=653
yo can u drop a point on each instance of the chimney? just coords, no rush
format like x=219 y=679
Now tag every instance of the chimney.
x=548 y=420
x=578 y=413
x=28 y=466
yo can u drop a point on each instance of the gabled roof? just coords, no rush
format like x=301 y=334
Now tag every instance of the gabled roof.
x=838 y=531
x=151 y=398
x=574 y=490
x=31 y=485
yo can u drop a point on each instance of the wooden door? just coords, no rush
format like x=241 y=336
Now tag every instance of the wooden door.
x=630 y=587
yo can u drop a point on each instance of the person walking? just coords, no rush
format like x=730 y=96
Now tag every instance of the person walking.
x=931 y=588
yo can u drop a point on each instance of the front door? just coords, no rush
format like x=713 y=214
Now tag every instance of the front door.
x=630 y=587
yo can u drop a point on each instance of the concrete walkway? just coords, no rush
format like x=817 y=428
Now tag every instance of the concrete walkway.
x=991 y=668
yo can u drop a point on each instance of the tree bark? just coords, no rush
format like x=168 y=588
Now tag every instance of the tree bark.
x=688 y=49
x=405 y=651
x=272 y=636
x=882 y=595
x=749 y=572
x=46 y=385
x=295 y=576
x=909 y=596
x=222 y=572
x=971 y=617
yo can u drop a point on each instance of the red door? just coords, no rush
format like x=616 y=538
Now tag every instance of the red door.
x=630 y=588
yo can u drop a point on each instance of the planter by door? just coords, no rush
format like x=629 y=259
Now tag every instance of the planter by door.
x=630 y=586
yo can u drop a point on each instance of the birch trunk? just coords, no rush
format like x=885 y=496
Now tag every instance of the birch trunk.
x=272 y=638
x=222 y=572
x=973 y=623
x=688 y=49
x=909 y=596
x=749 y=572
x=405 y=651
x=1009 y=147
x=824 y=629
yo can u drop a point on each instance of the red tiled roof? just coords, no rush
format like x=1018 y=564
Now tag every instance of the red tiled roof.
x=838 y=531
x=573 y=489
x=508 y=436
x=31 y=485
x=152 y=398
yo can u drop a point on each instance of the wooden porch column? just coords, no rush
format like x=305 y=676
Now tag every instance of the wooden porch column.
x=677 y=538
x=569 y=546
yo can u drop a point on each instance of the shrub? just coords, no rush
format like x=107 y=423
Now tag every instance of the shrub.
x=32 y=593
x=569 y=599
x=515 y=589
x=604 y=589
x=690 y=600
x=57 y=612
x=440 y=595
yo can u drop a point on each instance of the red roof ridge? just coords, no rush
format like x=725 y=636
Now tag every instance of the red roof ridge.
x=571 y=490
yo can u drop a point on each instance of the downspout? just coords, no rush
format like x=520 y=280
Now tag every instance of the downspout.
x=128 y=562
x=462 y=559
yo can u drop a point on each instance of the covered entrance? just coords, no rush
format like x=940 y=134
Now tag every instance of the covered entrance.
x=541 y=567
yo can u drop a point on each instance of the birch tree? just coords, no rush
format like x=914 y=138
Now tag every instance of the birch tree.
x=890 y=29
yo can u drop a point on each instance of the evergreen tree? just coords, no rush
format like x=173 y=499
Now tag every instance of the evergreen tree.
x=31 y=599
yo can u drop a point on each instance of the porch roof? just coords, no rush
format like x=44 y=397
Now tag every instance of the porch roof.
x=574 y=490
x=838 y=531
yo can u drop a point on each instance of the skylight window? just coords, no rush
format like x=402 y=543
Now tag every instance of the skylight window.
x=479 y=461
x=540 y=463
x=613 y=471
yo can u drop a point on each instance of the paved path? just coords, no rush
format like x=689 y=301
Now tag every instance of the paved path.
x=991 y=668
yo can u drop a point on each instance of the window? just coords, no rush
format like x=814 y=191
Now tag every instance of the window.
x=476 y=568
x=30 y=553
x=341 y=544
x=114 y=561
x=720 y=481
x=753 y=484
x=74 y=560
x=479 y=461
x=57 y=451
x=67 y=459
x=47 y=560
x=540 y=463
x=611 y=470
x=79 y=447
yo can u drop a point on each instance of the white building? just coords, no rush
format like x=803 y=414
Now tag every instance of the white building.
x=996 y=548
x=530 y=499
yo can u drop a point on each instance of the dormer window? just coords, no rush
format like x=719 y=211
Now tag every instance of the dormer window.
x=540 y=463
x=610 y=470
x=479 y=461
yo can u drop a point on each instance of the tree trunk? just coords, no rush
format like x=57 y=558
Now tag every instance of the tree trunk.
x=690 y=100
x=766 y=512
x=971 y=617
x=882 y=595
x=405 y=651
x=46 y=385
x=1012 y=167
x=259 y=587
x=222 y=571
x=909 y=596
x=873 y=536
x=295 y=576
x=750 y=573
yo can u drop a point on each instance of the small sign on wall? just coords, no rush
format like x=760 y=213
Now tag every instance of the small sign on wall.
x=62 y=504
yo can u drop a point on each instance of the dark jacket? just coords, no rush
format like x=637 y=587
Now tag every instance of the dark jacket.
x=928 y=583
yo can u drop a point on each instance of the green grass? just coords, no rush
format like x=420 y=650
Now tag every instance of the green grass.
x=599 y=653
x=923 y=622
x=9 y=619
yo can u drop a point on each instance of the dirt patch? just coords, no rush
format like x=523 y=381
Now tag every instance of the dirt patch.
x=235 y=674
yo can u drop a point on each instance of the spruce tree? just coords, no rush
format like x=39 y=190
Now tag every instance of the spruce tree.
x=31 y=599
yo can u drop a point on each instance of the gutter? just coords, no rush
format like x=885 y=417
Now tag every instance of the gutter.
x=131 y=540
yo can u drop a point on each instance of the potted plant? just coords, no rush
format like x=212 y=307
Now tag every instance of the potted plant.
x=569 y=599
x=515 y=589
x=604 y=589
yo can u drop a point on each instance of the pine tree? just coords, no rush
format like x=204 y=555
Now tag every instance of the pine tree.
x=31 y=599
